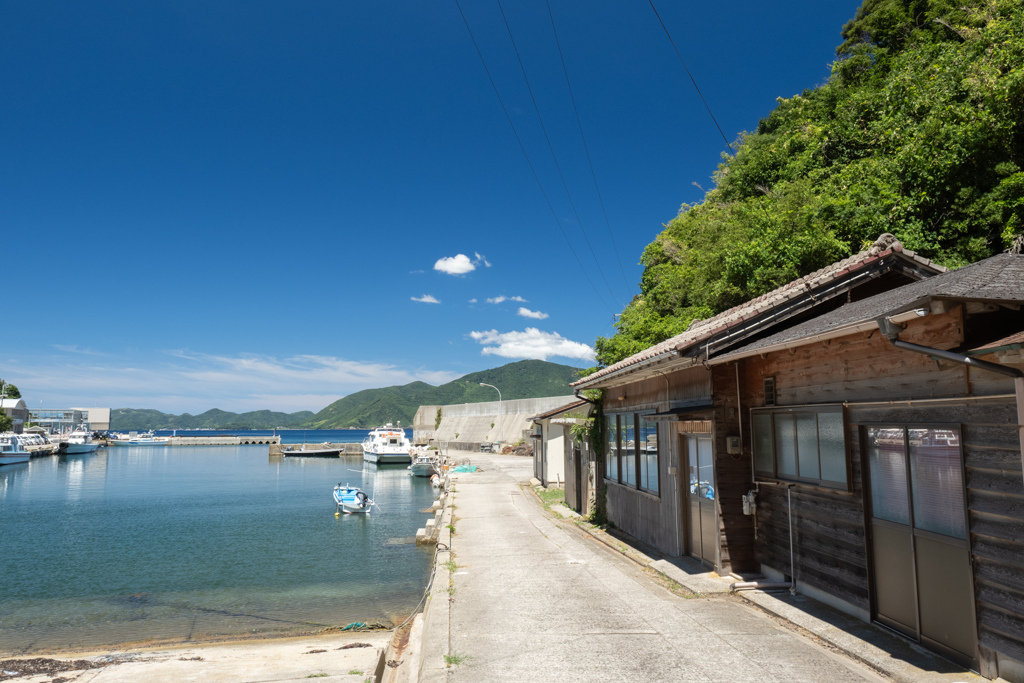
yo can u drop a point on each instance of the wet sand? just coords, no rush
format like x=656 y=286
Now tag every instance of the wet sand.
x=322 y=657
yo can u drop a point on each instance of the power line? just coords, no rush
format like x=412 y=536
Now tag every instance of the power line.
x=586 y=149
x=547 y=200
x=552 y=150
x=692 y=80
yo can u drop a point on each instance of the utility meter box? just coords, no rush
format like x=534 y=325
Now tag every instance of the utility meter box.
x=732 y=445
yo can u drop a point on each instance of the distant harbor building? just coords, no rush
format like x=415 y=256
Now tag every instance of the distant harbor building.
x=15 y=409
x=63 y=420
x=58 y=420
x=97 y=419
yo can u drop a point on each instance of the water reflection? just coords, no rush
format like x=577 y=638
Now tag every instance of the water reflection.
x=183 y=543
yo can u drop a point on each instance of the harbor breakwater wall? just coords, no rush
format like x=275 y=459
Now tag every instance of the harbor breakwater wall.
x=224 y=440
x=470 y=424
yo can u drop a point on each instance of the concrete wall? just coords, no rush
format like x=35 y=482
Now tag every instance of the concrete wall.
x=423 y=424
x=472 y=421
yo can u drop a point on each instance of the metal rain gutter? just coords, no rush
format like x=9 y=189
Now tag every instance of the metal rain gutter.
x=892 y=330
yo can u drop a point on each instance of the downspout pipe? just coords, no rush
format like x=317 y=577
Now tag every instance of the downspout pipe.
x=892 y=331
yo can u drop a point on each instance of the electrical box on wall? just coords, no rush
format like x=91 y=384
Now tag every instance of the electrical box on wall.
x=732 y=445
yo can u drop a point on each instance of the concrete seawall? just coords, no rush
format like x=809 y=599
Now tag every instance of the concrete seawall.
x=473 y=423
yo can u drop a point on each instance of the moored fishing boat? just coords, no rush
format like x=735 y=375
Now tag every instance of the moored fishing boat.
x=387 y=444
x=324 y=450
x=80 y=441
x=351 y=500
x=12 y=452
x=136 y=439
x=423 y=465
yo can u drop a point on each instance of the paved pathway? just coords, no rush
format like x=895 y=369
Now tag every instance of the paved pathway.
x=536 y=599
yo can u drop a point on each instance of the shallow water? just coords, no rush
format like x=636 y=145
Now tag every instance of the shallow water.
x=184 y=543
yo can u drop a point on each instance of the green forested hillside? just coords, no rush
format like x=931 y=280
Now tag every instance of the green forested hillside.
x=373 y=407
x=125 y=419
x=918 y=132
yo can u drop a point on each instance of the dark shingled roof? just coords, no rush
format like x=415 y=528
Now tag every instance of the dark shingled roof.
x=886 y=247
x=996 y=279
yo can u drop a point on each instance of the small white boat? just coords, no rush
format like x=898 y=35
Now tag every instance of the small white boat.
x=136 y=439
x=387 y=444
x=351 y=500
x=80 y=441
x=423 y=465
x=12 y=452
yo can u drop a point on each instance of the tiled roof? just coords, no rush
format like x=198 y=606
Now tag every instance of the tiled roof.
x=884 y=246
x=999 y=278
x=1016 y=339
x=558 y=411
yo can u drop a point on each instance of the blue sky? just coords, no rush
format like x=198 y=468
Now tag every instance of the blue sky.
x=246 y=205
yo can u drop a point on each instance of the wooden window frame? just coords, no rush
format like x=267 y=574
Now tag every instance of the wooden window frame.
x=620 y=419
x=774 y=474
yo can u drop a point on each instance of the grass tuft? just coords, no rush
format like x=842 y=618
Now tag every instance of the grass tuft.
x=454 y=659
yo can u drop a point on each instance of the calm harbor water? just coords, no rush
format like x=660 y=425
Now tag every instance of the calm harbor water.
x=185 y=543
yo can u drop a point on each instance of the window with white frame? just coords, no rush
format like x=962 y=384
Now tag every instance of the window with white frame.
x=805 y=444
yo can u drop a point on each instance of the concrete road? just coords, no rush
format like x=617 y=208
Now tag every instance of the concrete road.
x=535 y=599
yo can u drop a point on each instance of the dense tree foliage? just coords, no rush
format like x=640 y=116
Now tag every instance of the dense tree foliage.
x=9 y=390
x=142 y=418
x=919 y=132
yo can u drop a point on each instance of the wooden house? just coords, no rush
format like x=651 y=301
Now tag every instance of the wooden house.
x=669 y=476
x=867 y=449
x=886 y=447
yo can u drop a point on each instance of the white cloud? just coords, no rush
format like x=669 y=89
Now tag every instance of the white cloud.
x=195 y=382
x=472 y=301
x=460 y=264
x=531 y=343
x=500 y=299
x=426 y=299
x=527 y=313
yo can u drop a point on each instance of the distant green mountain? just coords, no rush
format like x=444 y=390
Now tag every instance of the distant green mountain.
x=373 y=407
x=126 y=419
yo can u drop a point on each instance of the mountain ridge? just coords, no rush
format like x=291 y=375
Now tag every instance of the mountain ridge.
x=370 y=408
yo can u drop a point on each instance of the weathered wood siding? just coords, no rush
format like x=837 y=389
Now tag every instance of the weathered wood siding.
x=733 y=478
x=655 y=519
x=829 y=538
x=866 y=372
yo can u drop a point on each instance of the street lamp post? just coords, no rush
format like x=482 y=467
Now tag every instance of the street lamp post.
x=501 y=421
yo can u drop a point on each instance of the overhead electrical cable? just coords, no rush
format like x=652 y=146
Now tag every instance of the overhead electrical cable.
x=692 y=79
x=547 y=200
x=586 y=149
x=551 y=149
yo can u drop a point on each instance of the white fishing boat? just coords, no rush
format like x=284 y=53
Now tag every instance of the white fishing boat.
x=423 y=465
x=387 y=444
x=12 y=452
x=80 y=441
x=136 y=439
x=351 y=500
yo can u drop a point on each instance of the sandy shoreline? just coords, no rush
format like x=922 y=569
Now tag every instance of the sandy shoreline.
x=321 y=656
